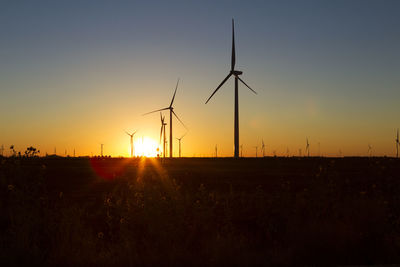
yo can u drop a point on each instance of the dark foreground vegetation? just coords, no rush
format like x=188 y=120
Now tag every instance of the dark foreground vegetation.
x=272 y=211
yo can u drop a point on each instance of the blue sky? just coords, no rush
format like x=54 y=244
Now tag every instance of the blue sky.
x=76 y=73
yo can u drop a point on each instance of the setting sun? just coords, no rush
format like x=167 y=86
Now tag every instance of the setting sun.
x=145 y=146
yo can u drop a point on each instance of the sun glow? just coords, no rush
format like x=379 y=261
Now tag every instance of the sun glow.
x=145 y=146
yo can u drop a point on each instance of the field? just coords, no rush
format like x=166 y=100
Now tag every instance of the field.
x=198 y=211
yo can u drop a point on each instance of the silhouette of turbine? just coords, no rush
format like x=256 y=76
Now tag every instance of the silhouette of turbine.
x=263 y=147
x=162 y=131
x=397 y=144
x=131 y=139
x=370 y=150
x=235 y=73
x=179 y=139
x=307 y=148
x=171 y=111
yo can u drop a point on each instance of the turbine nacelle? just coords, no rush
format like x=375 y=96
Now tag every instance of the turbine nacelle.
x=236 y=72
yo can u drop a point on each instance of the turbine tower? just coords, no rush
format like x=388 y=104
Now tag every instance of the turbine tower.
x=397 y=144
x=179 y=139
x=171 y=111
x=235 y=73
x=101 y=149
x=131 y=139
x=256 y=147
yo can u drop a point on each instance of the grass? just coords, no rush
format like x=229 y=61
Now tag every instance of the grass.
x=283 y=211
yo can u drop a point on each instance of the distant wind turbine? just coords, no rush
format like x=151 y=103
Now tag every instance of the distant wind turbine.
x=179 y=139
x=397 y=144
x=131 y=140
x=171 y=111
x=162 y=132
x=216 y=151
x=370 y=150
x=307 y=147
x=256 y=147
x=101 y=150
x=235 y=73
x=263 y=148
x=241 y=151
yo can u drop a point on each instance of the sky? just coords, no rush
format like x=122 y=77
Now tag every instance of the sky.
x=74 y=74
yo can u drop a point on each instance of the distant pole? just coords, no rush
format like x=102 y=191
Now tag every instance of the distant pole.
x=101 y=150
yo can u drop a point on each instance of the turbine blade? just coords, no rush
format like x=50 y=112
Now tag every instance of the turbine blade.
x=173 y=98
x=179 y=119
x=183 y=135
x=219 y=86
x=233 y=59
x=156 y=111
x=246 y=84
x=127 y=133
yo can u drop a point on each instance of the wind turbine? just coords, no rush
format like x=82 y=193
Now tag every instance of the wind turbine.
x=101 y=149
x=369 y=150
x=131 y=139
x=263 y=148
x=307 y=147
x=179 y=139
x=216 y=151
x=235 y=73
x=171 y=111
x=162 y=131
x=397 y=144
x=256 y=147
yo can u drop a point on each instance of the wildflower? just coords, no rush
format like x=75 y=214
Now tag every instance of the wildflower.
x=10 y=187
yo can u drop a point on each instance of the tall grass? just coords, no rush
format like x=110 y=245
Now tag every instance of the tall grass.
x=156 y=221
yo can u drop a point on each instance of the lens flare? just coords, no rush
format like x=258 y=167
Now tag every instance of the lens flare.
x=146 y=147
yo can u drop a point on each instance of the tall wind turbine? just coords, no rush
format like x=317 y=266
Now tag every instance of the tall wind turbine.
x=171 y=111
x=131 y=139
x=179 y=139
x=307 y=147
x=397 y=144
x=235 y=73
